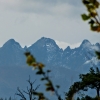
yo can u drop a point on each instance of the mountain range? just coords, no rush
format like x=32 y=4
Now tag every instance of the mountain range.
x=66 y=65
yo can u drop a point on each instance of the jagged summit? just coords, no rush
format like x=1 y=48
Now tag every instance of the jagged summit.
x=44 y=42
x=11 y=42
x=85 y=43
x=68 y=48
x=98 y=44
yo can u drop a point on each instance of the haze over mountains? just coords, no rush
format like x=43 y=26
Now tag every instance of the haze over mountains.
x=65 y=64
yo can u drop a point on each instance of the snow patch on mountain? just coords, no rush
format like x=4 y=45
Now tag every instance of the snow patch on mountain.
x=94 y=61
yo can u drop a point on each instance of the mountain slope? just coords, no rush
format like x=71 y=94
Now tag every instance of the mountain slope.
x=11 y=54
x=47 y=51
x=65 y=64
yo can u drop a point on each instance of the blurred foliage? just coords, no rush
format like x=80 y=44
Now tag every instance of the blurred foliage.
x=98 y=54
x=92 y=16
x=92 y=79
x=45 y=76
x=88 y=98
x=88 y=80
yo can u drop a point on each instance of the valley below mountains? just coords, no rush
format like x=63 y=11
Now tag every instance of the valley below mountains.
x=65 y=65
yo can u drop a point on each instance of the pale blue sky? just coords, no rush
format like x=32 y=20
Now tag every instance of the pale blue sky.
x=28 y=20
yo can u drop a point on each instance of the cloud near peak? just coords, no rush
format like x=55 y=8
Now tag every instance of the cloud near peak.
x=64 y=45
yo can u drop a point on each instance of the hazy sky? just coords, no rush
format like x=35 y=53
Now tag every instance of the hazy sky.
x=28 y=20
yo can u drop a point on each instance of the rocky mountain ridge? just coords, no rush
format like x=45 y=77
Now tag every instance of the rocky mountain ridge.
x=47 y=51
x=65 y=65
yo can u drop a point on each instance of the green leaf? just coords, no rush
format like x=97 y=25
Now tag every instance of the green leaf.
x=49 y=89
x=27 y=54
x=42 y=79
x=91 y=21
x=95 y=28
x=93 y=14
x=98 y=54
x=40 y=65
x=85 y=17
x=91 y=7
x=39 y=72
x=30 y=60
x=48 y=84
x=85 y=2
x=97 y=4
x=40 y=94
x=35 y=93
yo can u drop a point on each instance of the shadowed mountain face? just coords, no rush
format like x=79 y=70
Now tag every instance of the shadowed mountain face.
x=66 y=64
x=11 y=54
